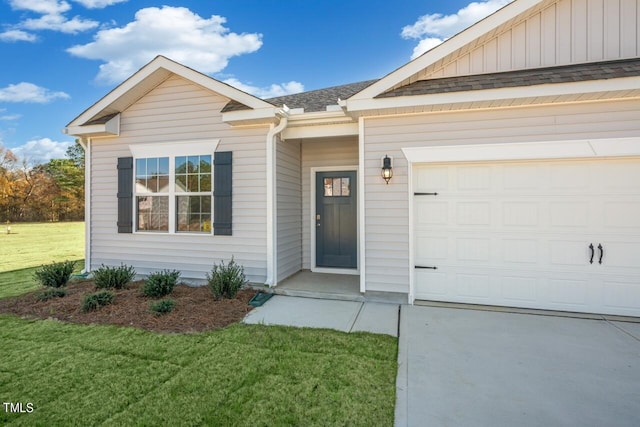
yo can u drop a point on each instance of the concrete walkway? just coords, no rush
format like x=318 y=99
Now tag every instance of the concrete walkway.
x=346 y=316
x=478 y=368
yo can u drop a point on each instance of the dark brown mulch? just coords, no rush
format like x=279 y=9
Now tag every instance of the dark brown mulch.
x=195 y=308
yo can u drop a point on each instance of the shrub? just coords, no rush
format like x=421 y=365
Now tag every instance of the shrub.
x=51 y=293
x=55 y=275
x=113 y=277
x=94 y=301
x=161 y=283
x=163 y=306
x=226 y=280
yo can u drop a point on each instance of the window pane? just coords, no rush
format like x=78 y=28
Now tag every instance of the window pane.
x=205 y=182
x=192 y=183
x=328 y=187
x=193 y=213
x=346 y=189
x=205 y=164
x=181 y=165
x=192 y=165
x=181 y=183
x=163 y=166
x=336 y=186
x=141 y=168
x=152 y=166
x=153 y=213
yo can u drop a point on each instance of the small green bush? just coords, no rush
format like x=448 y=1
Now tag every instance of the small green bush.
x=160 y=283
x=163 y=306
x=94 y=301
x=51 y=293
x=55 y=275
x=226 y=280
x=113 y=277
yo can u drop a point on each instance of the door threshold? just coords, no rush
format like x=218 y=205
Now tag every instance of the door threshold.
x=332 y=270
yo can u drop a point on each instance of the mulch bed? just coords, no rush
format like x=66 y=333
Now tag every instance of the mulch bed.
x=195 y=309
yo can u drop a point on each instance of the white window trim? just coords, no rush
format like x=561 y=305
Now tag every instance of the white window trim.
x=312 y=223
x=172 y=150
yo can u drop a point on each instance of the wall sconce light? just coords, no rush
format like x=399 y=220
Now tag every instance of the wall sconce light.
x=387 y=169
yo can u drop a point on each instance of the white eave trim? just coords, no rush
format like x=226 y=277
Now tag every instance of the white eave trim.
x=160 y=62
x=585 y=148
x=110 y=128
x=456 y=42
x=481 y=95
x=253 y=116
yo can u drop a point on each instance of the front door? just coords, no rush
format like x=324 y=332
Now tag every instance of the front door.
x=336 y=220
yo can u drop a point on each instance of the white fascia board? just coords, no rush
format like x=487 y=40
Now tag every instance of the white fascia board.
x=451 y=45
x=320 y=131
x=110 y=128
x=520 y=92
x=266 y=115
x=160 y=62
x=572 y=149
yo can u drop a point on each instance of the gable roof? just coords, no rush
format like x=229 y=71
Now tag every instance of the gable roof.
x=537 y=76
x=146 y=79
x=311 y=101
x=474 y=32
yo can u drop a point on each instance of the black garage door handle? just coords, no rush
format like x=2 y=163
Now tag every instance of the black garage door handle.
x=592 y=253
x=601 y=253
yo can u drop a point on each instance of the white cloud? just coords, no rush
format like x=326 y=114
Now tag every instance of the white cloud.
x=28 y=92
x=53 y=17
x=267 y=92
x=176 y=32
x=98 y=4
x=10 y=117
x=59 y=23
x=45 y=7
x=435 y=28
x=17 y=36
x=42 y=150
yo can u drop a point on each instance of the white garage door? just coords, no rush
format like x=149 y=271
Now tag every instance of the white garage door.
x=557 y=235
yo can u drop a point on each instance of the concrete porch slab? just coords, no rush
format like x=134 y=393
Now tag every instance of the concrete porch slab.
x=345 y=316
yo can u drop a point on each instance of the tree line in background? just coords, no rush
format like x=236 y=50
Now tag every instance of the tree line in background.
x=53 y=191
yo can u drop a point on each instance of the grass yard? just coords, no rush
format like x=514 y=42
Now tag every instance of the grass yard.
x=32 y=244
x=250 y=375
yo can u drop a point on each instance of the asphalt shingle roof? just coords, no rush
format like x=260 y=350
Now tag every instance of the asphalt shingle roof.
x=562 y=74
x=315 y=100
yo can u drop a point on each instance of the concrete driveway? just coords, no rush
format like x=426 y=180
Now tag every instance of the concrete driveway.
x=477 y=368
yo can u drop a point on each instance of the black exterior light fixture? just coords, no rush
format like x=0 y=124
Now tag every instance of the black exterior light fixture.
x=387 y=169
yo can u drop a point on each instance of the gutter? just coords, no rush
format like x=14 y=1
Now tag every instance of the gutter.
x=85 y=143
x=272 y=203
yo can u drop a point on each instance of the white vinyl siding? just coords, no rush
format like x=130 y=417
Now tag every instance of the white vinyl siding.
x=289 y=196
x=341 y=151
x=387 y=206
x=555 y=33
x=178 y=110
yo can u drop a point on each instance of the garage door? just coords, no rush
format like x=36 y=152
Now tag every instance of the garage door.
x=556 y=235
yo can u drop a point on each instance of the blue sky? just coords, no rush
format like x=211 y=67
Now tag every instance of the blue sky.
x=61 y=56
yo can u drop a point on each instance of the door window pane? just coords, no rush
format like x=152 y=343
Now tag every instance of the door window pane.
x=337 y=187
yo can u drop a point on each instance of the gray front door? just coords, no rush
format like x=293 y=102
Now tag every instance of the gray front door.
x=336 y=220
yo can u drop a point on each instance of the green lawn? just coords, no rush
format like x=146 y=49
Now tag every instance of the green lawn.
x=32 y=244
x=250 y=375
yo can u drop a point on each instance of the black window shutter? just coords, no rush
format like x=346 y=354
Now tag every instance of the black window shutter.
x=125 y=194
x=222 y=194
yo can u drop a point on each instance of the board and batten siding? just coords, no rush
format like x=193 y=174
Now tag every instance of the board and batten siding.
x=321 y=152
x=557 y=33
x=289 y=212
x=178 y=110
x=387 y=206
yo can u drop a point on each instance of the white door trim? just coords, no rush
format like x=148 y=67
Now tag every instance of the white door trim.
x=312 y=220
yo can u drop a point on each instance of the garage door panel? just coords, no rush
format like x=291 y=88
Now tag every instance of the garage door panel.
x=518 y=234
